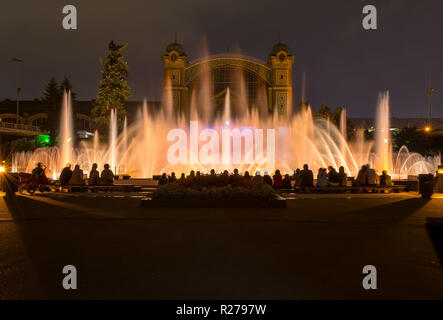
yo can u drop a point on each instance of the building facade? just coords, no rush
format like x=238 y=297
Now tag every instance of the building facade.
x=257 y=81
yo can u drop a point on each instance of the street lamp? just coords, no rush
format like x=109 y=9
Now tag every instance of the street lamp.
x=18 y=60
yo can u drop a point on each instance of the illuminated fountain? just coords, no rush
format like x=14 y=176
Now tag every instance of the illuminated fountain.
x=142 y=148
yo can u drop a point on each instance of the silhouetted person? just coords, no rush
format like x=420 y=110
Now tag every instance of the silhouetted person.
x=342 y=177
x=306 y=177
x=385 y=179
x=333 y=178
x=172 y=178
x=258 y=179
x=278 y=180
x=94 y=175
x=224 y=178
x=182 y=178
x=198 y=174
x=107 y=176
x=65 y=175
x=38 y=171
x=247 y=176
x=322 y=178
x=267 y=179
x=372 y=178
x=287 y=182
x=77 y=177
x=212 y=172
x=297 y=178
x=361 y=176
x=163 y=180
x=191 y=175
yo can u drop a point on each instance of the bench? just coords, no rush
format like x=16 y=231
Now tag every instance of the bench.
x=87 y=188
x=353 y=189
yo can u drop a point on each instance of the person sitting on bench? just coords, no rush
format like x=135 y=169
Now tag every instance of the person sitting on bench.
x=322 y=178
x=362 y=175
x=94 y=175
x=77 y=177
x=372 y=178
x=287 y=182
x=385 y=179
x=107 y=176
x=342 y=177
x=65 y=175
x=333 y=178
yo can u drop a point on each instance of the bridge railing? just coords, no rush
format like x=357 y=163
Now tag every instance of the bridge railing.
x=19 y=126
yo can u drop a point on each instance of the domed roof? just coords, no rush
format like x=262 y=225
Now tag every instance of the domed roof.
x=279 y=47
x=176 y=47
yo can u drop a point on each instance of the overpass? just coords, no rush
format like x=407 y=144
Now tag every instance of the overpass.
x=19 y=129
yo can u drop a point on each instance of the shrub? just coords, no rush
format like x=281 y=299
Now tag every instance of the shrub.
x=182 y=191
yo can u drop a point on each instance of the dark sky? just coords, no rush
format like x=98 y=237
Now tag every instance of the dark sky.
x=345 y=65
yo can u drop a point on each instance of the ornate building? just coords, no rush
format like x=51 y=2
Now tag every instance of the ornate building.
x=269 y=81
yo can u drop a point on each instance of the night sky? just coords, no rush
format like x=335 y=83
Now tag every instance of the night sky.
x=345 y=64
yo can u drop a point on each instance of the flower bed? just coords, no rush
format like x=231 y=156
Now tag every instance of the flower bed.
x=184 y=195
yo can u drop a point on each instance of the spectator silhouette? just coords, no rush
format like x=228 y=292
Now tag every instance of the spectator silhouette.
x=306 y=177
x=361 y=176
x=172 y=178
x=372 y=178
x=38 y=171
x=385 y=179
x=267 y=179
x=77 y=177
x=333 y=178
x=163 y=180
x=297 y=178
x=107 y=176
x=94 y=175
x=322 y=178
x=278 y=181
x=258 y=179
x=65 y=175
x=287 y=182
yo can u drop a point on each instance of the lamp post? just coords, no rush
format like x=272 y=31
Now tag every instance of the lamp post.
x=18 y=60
x=431 y=91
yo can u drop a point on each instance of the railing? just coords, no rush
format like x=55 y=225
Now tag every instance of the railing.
x=19 y=126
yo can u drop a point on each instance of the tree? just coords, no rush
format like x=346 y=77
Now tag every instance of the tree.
x=412 y=138
x=113 y=90
x=324 y=112
x=67 y=86
x=51 y=100
x=336 y=115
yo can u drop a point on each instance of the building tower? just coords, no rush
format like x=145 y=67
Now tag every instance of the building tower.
x=280 y=90
x=174 y=62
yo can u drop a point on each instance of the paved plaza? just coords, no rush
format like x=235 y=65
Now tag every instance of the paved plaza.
x=314 y=249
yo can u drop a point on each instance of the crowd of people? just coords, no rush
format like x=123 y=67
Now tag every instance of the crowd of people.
x=76 y=178
x=300 y=179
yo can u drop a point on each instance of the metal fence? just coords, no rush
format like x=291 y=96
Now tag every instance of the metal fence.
x=19 y=126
